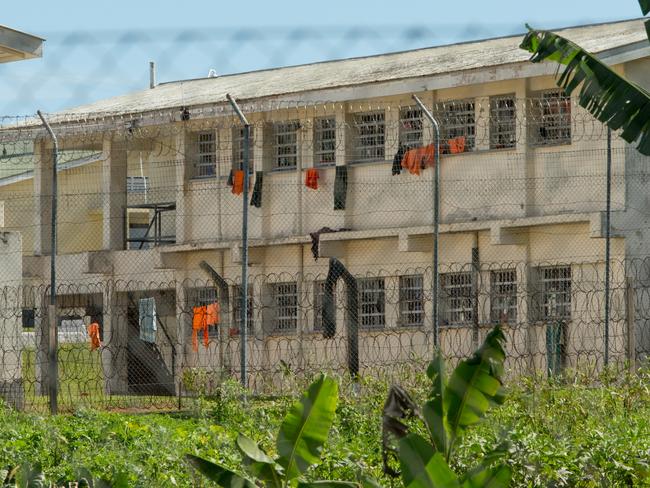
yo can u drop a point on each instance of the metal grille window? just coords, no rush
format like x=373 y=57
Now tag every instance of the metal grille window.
x=551 y=118
x=372 y=303
x=137 y=184
x=556 y=292
x=238 y=149
x=286 y=144
x=324 y=141
x=286 y=306
x=503 y=297
x=369 y=136
x=319 y=292
x=236 y=306
x=458 y=121
x=206 y=157
x=199 y=297
x=457 y=298
x=503 y=122
x=411 y=300
x=410 y=127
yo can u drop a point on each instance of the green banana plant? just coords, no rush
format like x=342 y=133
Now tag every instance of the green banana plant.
x=300 y=440
x=451 y=407
x=608 y=96
x=30 y=475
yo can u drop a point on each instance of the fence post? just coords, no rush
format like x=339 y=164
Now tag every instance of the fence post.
x=53 y=336
x=630 y=315
x=608 y=239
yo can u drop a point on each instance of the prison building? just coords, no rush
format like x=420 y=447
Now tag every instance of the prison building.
x=150 y=204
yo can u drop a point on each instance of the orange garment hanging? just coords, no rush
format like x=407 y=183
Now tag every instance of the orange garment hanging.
x=311 y=178
x=93 y=333
x=418 y=158
x=212 y=314
x=456 y=145
x=237 y=182
x=199 y=322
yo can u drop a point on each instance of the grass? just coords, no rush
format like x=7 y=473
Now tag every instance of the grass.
x=560 y=435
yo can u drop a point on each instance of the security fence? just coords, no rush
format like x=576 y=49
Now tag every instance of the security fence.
x=151 y=345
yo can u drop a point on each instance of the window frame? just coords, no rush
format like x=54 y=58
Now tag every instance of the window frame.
x=407 y=120
x=236 y=307
x=503 y=296
x=373 y=131
x=411 y=294
x=238 y=149
x=137 y=185
x=368 y=319
x=503 y=122
x=198 y=296
x=547 y=282
x=458 y=308
x=451 y=114
x=285 y=315
x=205 y=158
x=285 y=137
x=321 y=143
x=544 y=120
x=318 y=294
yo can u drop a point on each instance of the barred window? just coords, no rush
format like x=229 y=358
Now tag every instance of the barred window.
x=238 y=149
x=286 y=306
x=236 y=307
x=458 y=121
x=410 y=127
x=206 y=156
x=456 y=299
x=286 y=144
x=324 y=141
x=369 y=136
x=503 y=122
x=199 y=297
x=503 y=297
x=556 y=292
x=372 y=303
x=137 y=184
x=319 y=293
x=551 y=118
x=411 y=300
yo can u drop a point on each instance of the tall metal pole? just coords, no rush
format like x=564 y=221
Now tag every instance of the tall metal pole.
x=607 y=239
x=243 y=331
x=436 y=218
x=53 y=336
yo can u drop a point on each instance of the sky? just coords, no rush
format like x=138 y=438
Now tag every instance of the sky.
x=94 y=50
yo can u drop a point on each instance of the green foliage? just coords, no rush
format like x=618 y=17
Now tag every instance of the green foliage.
x=300 y=440
x=609 y=97
x=451 y=407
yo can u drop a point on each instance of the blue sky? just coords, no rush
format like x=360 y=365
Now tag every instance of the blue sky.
x=94 y=52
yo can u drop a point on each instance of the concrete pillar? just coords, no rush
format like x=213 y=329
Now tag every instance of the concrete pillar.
x=114 y=171
x=183 y=214
x=115 y=343
x=527 y=153
x=42 y=197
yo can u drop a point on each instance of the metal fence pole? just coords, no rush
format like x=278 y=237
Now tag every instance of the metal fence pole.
x=436 y=219
x=53 y=387
x=607 y=239
x=244 y=237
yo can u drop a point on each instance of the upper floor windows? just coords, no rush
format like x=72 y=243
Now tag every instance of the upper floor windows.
x=206 y=154
x=238 y=149
x=550 y=115
x=458 y=126
x=324 y=141
x=285 y=141
x=503 y=122
x=369 y=137
x=410 y=127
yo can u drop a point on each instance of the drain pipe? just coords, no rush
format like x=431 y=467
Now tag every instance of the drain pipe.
x=53 y=336
x=436 y=220
x=244 y=246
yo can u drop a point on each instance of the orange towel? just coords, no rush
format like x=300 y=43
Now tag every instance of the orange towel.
x=418 y=158
x=237 y=182
x=456 y=145
x=311 y=178
x=199 y=322
x=212 y=314
x=93 y=333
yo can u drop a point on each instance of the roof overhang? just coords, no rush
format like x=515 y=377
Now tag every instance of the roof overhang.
x=16 y=45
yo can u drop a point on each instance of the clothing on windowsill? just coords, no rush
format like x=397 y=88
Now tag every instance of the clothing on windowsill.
x=311 y=178
x=204 y=316
x=256 y=198
x=237 y=182
x=212 y=314
x=93 y=334
x=148 y=319
x=340 y=187
x=416 y=159
x=315 y=239
x=456 y=145
x=397 y=160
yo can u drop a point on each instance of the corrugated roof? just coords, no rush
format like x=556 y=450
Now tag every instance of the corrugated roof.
x=359 y=71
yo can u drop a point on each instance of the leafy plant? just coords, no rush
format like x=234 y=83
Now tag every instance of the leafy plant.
x=299 y=444
x=608 y=96
x=451 y=407
x=32 y=476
